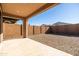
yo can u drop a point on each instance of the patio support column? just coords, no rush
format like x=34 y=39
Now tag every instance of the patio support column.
x=25 y=28
x=1 y=29
x=1 y=24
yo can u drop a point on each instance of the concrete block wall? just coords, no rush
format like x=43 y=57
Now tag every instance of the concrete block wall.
x=30 y=30
x=72 y=29
x=16 y=31
x=11 y=30
x=43 y=29
x=36 y=29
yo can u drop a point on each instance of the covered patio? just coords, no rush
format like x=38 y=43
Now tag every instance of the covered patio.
x=25 y=46
x=28 y=47
x=22 y=11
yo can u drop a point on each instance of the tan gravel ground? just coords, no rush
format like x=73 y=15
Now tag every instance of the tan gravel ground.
x=28 y=47
x=67 y=44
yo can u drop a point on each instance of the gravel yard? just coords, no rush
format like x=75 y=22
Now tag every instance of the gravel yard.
x=67 y=44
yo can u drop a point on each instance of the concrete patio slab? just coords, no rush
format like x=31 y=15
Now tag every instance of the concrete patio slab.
x=28 y=47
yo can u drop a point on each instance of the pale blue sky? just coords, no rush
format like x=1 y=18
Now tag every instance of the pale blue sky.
x=61 y=13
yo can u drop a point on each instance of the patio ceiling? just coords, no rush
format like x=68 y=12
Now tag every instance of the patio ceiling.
x=25 y=10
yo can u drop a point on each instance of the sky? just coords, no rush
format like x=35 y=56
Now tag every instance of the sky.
x=64 y=12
